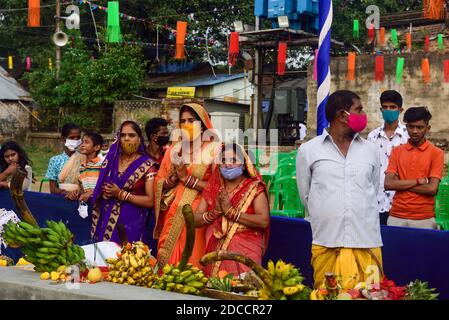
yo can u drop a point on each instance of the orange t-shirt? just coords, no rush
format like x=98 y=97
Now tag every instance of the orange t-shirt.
x=409 y=162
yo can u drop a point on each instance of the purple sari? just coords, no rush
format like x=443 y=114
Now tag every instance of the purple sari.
x=107 y=213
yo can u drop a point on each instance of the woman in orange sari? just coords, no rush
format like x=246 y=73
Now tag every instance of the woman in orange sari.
x=183 y=174
x=235 y=210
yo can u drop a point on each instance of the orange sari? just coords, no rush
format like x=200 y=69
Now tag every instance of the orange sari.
x=170 y=226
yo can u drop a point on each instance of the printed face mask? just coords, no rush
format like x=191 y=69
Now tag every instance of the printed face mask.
x=357 y=122
x=232 y=173
x=390 y=116
x=192 y=129
x=72 y=144
x=130 y=148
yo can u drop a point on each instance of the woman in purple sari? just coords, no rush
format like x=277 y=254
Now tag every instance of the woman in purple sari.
x=124 y=191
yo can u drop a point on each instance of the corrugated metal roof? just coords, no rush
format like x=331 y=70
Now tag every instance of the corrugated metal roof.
x=211 y=80
x=10 y=89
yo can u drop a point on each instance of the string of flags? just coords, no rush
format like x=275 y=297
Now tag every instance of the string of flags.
x=128 y=17
x=379 y=69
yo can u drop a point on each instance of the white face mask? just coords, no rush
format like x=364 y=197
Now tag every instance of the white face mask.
x=72 y=144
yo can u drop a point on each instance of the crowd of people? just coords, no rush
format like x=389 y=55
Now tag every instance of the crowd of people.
x=130 y=181
x=349 y=185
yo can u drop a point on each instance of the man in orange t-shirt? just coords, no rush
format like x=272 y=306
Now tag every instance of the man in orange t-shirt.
x=414 y=172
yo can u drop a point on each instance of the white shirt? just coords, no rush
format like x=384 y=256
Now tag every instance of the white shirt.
x=302 y=131
x=384 y=146
x=340 y=192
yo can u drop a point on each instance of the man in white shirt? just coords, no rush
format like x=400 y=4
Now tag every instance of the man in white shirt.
x=338 y=180
x=386 y=137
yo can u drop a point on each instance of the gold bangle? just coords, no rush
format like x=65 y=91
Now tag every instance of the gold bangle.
x=205 y=218
x=196 y=182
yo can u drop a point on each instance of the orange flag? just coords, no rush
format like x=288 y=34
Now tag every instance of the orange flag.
x=351 y=66
x=34 y=13
x=425 y=68
x=181 y=30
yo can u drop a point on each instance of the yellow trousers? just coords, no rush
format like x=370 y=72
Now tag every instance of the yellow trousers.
x=348 y=265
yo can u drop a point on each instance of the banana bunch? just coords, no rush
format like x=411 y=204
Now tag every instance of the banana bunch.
x=189 y=281
x=286 y=283
x=46 y=248
x=132 y=266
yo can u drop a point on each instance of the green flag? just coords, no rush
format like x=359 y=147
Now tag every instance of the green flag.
x=399 y=70
x=356 y=29
x=394 y=37
x=440 y=41
x=113 y=31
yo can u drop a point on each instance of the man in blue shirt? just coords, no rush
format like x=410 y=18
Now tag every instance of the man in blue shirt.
x=71 y=136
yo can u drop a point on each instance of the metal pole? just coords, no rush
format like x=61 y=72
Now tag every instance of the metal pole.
x=58 y=48
x=258 y=84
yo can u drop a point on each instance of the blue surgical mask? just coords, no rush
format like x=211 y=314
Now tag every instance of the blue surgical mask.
x=231 y=173
x=390 y=116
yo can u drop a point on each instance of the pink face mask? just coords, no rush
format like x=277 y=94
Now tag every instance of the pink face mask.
x=357 y=122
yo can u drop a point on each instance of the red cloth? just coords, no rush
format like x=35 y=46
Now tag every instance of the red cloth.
x=234 y=48
x=282 y=58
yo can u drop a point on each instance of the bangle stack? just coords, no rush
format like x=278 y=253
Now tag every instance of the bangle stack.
x=209 y=217
x=169 y=182
x=123 y=195
x=191 y=182
x=233 y=215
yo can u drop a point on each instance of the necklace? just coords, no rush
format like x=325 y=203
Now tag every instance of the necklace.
x=127 y=163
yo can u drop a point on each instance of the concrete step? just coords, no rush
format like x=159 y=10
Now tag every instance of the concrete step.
x=18 y=284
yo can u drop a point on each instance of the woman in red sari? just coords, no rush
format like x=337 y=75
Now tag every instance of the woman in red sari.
x=235 y=208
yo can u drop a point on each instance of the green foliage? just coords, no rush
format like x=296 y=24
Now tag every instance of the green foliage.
x=345 y=11
x=87 y=85
x=420 y=291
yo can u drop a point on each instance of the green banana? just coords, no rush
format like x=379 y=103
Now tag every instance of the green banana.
x=195 y=284
x=69 y=253
x=51 y=232
x=43 y=249
x=62 y=259
x=51 y=244
x=46 y=256
x=65 y=231
x=24 y=233
x=43 y=261
x=54 y=265
x=186 y=273
x=35 y=232
x=35 y=241
x=21 y=240
x=190 y=278
x=55 y=239
x=26 y=225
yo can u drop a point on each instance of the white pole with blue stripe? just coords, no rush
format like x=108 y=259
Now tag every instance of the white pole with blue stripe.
x=324 y=73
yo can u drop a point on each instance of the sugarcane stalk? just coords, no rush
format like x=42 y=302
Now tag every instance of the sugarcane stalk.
x=215 y=256
x=187 y=212
x=18 y=199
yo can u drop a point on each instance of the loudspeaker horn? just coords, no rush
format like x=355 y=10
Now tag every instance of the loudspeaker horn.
x=60 y=39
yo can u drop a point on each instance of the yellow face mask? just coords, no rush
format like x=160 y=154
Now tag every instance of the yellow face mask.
x=193 y=130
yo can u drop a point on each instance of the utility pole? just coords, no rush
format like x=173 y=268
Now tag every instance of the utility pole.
x=258 y=84
x=58 y=48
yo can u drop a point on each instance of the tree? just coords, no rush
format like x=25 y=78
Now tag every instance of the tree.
x=86 y=85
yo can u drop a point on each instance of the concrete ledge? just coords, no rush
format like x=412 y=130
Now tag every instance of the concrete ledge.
x=17 y=284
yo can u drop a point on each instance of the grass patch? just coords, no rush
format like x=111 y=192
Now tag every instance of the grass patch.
x=39 y=158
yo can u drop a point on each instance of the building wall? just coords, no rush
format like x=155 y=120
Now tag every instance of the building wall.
x=14 y=120
x=238 y=88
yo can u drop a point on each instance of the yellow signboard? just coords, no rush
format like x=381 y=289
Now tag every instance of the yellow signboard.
x=180 y=92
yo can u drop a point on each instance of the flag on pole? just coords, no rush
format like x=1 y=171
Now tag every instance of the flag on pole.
x=324 y=74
